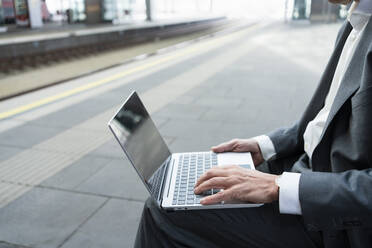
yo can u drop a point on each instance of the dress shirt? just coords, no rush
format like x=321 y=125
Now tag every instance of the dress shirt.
x=289 y=202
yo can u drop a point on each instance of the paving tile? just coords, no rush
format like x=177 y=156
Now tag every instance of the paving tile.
x=8 y=151
x=7 y=245
x=196 y=144
x=185 y=99
x=242 y=115
x=77 y=113
x=240 y=130
x=27 y=135
x=218 y=102
x=190 y=128
x=181 y=111
x=158 y=120
x=45 y=218
x=110 y=149
x=78 y=172
x=114 y=225
x=117 y=179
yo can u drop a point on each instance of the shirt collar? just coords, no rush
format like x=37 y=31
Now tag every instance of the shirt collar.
x=359 y=14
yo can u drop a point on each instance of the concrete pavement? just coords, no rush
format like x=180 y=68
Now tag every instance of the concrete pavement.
x=64 y=182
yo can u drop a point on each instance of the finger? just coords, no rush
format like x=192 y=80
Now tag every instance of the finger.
x=220 y=171
x=228 y=166
x=224 y=147
x=215 y=182
x=214 y=172
x=217 y=198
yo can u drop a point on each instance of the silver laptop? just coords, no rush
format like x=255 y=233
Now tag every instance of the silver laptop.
x=169 y=177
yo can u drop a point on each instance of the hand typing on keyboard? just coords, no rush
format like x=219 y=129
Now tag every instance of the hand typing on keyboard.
x=238 y=184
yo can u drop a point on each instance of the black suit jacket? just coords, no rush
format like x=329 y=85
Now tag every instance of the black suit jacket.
x=336 y=182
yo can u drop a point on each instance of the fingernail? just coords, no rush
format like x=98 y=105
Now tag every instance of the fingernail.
x=202 y=201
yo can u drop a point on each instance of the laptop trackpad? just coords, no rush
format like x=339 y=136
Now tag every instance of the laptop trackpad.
x=243 y=159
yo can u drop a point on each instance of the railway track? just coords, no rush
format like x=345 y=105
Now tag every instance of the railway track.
x=42 y=53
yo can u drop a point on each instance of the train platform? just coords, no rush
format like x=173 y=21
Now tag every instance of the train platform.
x=60 y=56
x=65 y=182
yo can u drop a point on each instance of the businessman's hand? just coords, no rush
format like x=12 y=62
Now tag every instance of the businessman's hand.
x=238 y=184
x=241 y=145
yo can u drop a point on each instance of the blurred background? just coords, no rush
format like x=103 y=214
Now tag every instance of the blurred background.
x=207 y=70
x=41 y=13
x=39 y=33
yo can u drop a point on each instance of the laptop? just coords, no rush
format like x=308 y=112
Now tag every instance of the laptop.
x=169 y=177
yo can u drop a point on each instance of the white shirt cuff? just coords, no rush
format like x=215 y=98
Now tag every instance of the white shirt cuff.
x=266 y=146
x=289 y=200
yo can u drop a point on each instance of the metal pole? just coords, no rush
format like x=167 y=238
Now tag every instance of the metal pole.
x=148 y=11
x=285 y=10
x=61 y=11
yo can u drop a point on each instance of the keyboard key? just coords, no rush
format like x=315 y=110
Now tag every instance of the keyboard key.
x=190 y=197
x=208 y=192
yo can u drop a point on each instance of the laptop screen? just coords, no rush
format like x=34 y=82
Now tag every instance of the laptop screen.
x=140 y=138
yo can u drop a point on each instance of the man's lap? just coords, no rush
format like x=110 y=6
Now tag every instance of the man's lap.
x=245 y=227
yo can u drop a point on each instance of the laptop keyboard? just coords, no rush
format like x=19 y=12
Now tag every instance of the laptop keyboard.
x=155 y=181
x=190 y=167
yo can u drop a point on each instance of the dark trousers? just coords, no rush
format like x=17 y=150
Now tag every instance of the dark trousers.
x=245 y=227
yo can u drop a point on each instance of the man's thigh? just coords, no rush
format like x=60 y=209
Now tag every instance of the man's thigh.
x=248 y=227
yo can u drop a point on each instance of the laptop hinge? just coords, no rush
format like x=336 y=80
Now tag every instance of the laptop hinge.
x=166 y=164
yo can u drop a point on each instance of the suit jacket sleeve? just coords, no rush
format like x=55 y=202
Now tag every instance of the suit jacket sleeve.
x=287 y=141
x=350 y=188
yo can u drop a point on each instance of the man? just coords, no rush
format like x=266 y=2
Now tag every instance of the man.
x=324 y=196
